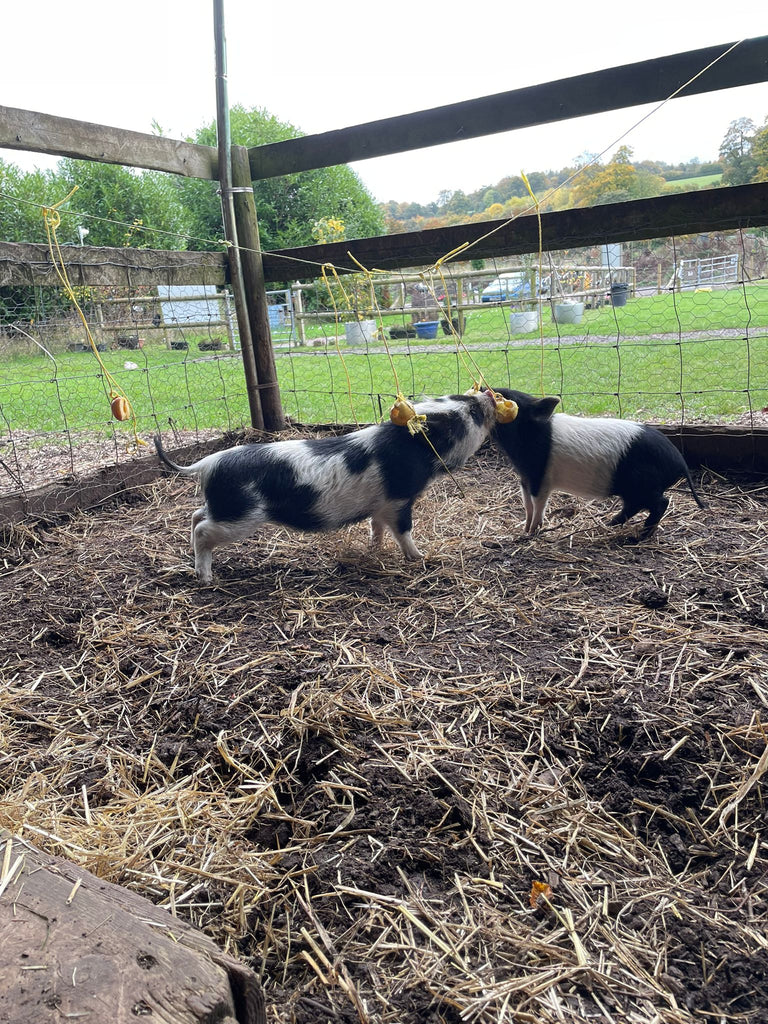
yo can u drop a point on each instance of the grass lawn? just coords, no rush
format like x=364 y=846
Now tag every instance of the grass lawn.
x=701 y=181
x=636 y=360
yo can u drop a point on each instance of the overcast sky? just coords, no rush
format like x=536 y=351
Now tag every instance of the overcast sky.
x=323 y=66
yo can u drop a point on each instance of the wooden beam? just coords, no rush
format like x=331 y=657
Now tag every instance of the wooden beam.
x=722 y=209
x=76 y=947
x=629 y=85
x=34 y=132
x=24 y=263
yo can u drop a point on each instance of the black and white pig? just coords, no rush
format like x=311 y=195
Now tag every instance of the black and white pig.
x=323 y=484
x=592 y=458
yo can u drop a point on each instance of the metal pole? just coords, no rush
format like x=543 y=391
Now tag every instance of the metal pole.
x=228 y=214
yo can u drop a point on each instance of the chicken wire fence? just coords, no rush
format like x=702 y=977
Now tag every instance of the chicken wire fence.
x=664 y=331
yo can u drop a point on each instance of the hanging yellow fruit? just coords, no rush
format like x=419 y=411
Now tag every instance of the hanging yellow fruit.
x=506 y=409
x=401 y=412
x=121 y=408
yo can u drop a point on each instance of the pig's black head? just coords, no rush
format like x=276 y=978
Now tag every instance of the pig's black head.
x=529 y=408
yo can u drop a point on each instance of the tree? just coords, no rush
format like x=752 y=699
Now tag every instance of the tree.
x=737 y=141
x=736 y=152
x=289 y=206
x=21 y=213
x=617 y=182
x=120 y=206
x=760 y=153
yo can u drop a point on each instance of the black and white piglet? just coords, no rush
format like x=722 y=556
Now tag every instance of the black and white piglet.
x=322 y=484
x=592 y=458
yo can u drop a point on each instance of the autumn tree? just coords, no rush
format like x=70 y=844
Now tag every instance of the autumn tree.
x=760 y=152
x=616 y=182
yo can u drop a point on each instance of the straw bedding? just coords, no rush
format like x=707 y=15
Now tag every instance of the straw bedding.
x=351 y=772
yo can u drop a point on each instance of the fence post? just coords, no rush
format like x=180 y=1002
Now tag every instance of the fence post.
x=255 y=290
x=297 y=308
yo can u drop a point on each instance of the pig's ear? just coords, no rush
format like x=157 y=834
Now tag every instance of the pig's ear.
x=545 y=407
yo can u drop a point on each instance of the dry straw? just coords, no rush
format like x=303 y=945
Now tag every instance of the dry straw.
x=351 y=772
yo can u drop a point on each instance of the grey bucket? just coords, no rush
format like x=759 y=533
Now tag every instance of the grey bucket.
x=524 y=322
x=619 y=294
x=568 y=312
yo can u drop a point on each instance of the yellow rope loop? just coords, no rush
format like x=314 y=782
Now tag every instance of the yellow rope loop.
x=119 y=405
x=323 y=268
x=436 y=266
x=52 y=217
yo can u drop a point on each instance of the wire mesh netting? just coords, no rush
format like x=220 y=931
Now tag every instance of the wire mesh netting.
x=668 y=331
x=662 y=331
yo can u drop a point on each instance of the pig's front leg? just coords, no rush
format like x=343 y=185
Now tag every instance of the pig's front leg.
x=399 y=521
x=539 y=507
x=528 y=505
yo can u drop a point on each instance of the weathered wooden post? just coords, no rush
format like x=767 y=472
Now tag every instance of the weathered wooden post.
x=247 y=227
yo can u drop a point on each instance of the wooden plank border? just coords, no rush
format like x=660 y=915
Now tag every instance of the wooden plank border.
x=27 y=263
x=35 y=132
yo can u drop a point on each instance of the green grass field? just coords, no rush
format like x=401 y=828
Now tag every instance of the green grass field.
x=636 y=360
x=702 y=181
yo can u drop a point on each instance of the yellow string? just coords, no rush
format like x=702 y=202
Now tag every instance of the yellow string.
x=375 y=305
x=336 y=329
x=52 y=220
x=541 y=273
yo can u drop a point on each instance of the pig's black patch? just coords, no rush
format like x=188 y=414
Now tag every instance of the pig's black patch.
x=357 y=458
x=239 y=482
x=405 y=461
x=527 y=440
x=648 y=467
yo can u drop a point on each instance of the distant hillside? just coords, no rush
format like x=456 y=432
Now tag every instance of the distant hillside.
x=590 y=185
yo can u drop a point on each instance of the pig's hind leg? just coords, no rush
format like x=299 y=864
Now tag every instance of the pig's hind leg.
x=197 y=517
x=628 y=509
x=656 y=511
x=208 y=534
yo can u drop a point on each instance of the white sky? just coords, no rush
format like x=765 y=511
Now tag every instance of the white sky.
x=323 y=66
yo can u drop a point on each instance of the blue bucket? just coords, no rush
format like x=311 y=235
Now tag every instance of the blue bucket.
x=427 y=328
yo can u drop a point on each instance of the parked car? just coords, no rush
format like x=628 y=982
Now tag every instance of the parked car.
x=514 y=285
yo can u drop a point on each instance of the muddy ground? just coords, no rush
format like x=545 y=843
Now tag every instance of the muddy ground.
x=351 y=771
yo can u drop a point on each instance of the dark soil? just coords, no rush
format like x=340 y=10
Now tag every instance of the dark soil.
x=350 y=771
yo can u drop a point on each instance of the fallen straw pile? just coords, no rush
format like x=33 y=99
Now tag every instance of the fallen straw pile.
x=520 y=782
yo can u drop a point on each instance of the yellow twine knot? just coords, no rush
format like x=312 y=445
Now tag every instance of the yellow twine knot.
x=403 y=414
